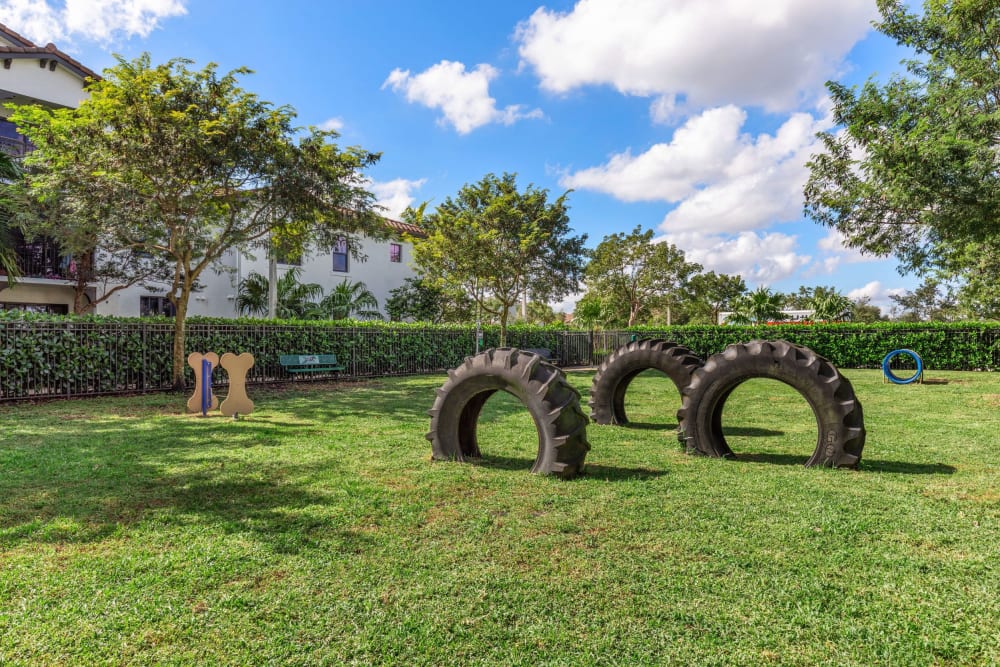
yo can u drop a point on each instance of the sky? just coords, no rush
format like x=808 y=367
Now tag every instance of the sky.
x=691 y=118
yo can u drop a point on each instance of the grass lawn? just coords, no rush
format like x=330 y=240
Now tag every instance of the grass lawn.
x=318 y=531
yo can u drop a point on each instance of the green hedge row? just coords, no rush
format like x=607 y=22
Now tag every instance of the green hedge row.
x=60 y=355
x=942 y=346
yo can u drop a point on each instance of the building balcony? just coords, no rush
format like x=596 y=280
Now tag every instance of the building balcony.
x=42 y=259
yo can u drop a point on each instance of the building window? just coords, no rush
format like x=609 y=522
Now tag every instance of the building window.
x=289 y=259
x=340 y=255
x=395 y=253
x=155 y=306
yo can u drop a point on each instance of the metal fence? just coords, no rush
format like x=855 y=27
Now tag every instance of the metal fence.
x=79 y=358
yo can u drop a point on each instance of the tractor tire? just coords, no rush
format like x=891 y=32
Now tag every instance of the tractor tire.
x=541 y=387
x=607 y=393
x=838 y=413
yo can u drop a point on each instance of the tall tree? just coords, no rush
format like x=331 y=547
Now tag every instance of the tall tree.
x=716 y=292
x=930 y=301
x=864 y=311
x=184 y=165
x=497 y=243
x=634 y=270
x=422 y=301
x=350 y=300
x=759 y=306
x=831 y=307
x=296 y=300
x=915 y=171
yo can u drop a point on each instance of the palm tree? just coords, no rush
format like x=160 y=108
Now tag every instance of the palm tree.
x=759 y=306
x=831 y=307
x=351 y=301
x=296 y=300
x=9 y=171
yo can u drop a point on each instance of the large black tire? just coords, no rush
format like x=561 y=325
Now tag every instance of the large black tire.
x=541 y=387
x=607 y=393
x=838 y=412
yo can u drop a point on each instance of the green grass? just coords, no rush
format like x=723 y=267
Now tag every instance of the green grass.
x=318 y=531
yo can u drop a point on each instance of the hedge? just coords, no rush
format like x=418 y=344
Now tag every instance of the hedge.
x=45 y=355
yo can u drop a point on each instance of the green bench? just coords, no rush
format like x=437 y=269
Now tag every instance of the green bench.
x=310 y=363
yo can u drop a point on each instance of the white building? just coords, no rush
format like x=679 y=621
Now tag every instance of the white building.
x=45 y=75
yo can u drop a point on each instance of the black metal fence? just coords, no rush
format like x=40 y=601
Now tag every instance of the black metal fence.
x=64 y=358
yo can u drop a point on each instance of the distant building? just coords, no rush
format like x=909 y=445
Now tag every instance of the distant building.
x=45 y=75
x=790 y=317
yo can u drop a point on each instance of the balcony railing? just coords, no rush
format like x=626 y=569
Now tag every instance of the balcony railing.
x=42 y=259
x=14 y=147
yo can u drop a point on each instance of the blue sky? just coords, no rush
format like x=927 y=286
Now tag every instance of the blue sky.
x=692 y=118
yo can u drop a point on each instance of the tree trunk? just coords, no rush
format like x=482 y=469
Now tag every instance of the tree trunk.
x=668 y=314
x=180 y=358
x=272 y=287
x=504 y=313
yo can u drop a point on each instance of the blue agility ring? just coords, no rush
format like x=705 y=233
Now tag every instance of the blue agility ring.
x=895 y=379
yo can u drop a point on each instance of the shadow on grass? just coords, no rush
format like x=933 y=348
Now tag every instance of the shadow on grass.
x=608 y=473
x=867 y=465
x=261 y=505
x=650 y=426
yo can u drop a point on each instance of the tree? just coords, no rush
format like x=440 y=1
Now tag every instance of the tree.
x=636 y=271
x=831 y=307
x=759 y=306
x=806 y=296
x=542 y=313
x=422 y=301
x=864 y=311
x=930 y=301
x=183 y=165
x=9 y=173
x=594 y=310
x=496 y=244
x=296 y=300
x=716 y=292
x=350 y=300
x=915 y=171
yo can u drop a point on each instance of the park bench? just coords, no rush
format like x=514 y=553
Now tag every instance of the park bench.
x=310 y=363
x=544 y=352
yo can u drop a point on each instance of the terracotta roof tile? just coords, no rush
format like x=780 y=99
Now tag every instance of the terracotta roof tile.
x=10 y=34
x=30 y=48
x=412 y=230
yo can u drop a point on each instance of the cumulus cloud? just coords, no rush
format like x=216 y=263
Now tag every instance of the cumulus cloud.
x=335 y=124
x=722 y=180
x=103 y=21
x=877 y=293
x=772 y=54
x=463 y=97
x=395 y=195
x=758 y=257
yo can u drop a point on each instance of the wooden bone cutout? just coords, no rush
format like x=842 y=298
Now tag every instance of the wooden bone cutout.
x=237 y=402
x=194 y=361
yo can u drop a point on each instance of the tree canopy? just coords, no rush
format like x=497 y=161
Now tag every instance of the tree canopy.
x=915 y=172
x=631 y=269
x=183 y=165
x=498 y=244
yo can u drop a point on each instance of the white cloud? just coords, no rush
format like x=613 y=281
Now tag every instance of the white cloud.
x=700 y=150
x=877 y=293
x=101 y=21
x=462 y=96
x=395 y=195
x=772 y=54
x=722 y=180
x=759 y=258
x=335 y=124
